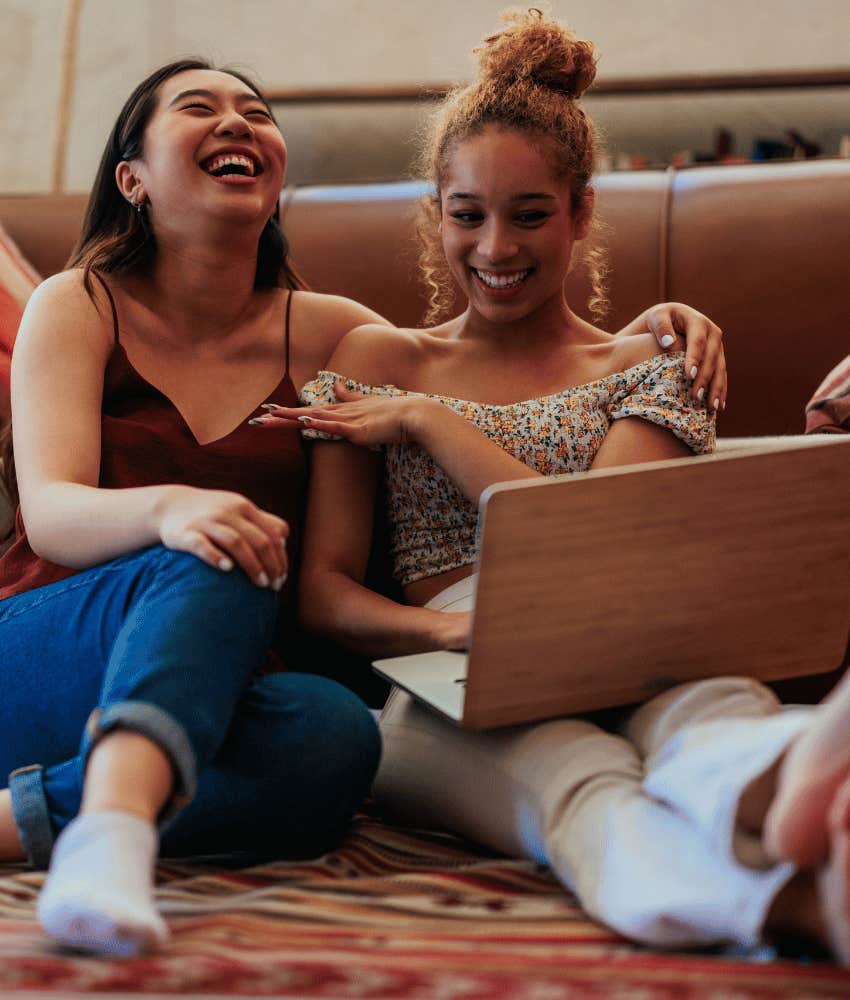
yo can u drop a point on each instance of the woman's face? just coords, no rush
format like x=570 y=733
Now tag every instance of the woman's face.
x=210 y=145
x=507 y=225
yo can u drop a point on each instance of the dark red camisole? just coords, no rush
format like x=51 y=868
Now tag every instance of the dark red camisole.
x=146 y=442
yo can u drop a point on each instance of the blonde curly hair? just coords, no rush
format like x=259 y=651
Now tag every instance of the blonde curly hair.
x=529 y=77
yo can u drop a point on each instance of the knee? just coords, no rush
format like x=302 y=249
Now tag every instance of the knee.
x=658 y=720
x=231 y=594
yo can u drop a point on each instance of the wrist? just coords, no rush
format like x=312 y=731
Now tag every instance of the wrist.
x=420 y=419
x=162 y=499
x=417 y=417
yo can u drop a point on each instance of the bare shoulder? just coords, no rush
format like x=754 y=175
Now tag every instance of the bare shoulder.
x=62 y=312
x=378 y=354
x=631 y=351
x=330 y=317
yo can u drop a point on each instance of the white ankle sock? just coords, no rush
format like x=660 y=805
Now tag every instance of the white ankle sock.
x=99 y=891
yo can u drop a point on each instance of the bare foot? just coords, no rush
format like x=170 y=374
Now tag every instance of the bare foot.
x=815 y=767
x=834 y=878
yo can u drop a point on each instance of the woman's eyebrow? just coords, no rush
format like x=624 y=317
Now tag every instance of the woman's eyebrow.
x=522 y=196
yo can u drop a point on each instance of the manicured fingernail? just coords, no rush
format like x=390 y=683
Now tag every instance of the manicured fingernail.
x=262 y=580
x=269 y=406
x=724 y=404
x=694 y=371
x=306 y=420
x=716 y=404
x=700 y=393
x=667 y=340
x=225 y=565
x=256 y=421
x=279 y=582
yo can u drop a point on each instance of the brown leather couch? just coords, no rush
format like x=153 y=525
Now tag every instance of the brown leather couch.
x=762 y=249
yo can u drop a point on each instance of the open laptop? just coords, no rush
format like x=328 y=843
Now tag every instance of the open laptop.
x=606 y=587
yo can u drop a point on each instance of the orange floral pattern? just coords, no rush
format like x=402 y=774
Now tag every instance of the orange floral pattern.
x=433 y=527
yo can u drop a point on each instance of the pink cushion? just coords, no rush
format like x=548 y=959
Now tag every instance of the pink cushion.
x=17 y=280
x=829 y=409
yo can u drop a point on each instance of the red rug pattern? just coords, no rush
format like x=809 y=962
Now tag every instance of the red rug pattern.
x=390 y=915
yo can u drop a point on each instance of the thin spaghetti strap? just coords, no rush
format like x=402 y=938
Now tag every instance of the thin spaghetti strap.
x=102 y=280
x=286 y=332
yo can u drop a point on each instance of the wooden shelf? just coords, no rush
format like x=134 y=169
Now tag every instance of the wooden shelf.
x=611 y=87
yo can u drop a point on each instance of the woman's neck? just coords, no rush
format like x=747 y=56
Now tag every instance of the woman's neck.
x=201 y=293
x=551 y=325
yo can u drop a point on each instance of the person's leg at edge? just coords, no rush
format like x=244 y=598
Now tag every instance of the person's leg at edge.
x=179 y=643
x=716 y=751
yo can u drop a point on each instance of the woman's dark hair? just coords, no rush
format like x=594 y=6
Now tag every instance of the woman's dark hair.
x=115 y=238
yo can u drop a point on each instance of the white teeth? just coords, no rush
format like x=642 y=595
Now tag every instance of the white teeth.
x=501 y=280
x=237 y=159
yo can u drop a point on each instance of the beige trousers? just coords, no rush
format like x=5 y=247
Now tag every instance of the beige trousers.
x=641 y=825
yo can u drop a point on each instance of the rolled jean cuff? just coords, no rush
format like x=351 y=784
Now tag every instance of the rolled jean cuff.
x=32 y=816
x=163 y=729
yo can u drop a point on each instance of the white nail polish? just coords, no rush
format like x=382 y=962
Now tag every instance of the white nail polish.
x=262 y=580
x=667 y=340
x=225 y=565
x=700 y=393
x=306 y=420
x=279 y=582
x=716 y=404
x=694 y=371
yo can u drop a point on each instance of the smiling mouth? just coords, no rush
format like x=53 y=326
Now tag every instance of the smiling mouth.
x=231 y=164
x=500 y=281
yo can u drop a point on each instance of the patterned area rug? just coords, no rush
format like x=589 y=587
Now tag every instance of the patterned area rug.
x=391 y=915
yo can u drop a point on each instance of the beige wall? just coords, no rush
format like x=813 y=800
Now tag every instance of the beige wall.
x=327 y=42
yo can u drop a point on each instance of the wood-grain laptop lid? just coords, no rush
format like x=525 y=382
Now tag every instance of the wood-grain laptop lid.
x=604 y=588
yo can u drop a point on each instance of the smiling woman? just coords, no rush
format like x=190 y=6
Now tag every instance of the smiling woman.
x=644 y=823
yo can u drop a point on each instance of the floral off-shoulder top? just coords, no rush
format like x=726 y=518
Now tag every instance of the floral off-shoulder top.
x=433 y=527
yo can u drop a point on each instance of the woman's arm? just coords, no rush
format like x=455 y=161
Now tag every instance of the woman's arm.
x=632 y=440
x=669 y=321
x=60 y=357
x=376 y=356
x=338 y=536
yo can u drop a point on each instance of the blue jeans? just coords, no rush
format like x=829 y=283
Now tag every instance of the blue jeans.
x=159 y=643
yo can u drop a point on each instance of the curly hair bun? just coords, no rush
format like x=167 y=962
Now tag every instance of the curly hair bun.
x=536 y=48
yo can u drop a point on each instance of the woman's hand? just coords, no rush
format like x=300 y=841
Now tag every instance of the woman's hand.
x=705 y=360
x=365 y=420
x=453 y=630
x=224 y=528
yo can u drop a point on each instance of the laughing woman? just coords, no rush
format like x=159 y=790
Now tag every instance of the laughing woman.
x=150 y=561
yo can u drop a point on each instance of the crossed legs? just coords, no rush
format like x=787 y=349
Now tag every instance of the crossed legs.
x=167 y=649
